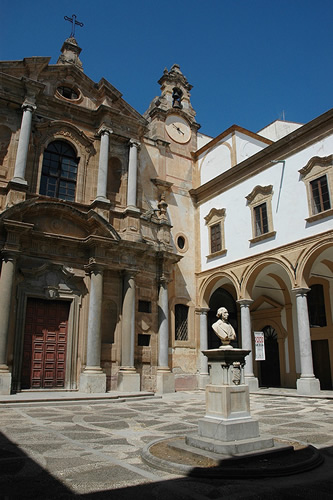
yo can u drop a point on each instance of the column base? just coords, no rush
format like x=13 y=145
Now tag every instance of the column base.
x=128 y=381
x=252 y=382
x=165 y=381
x=203 y=380
x=91 y=382
x=5 y=383
x=308 y=386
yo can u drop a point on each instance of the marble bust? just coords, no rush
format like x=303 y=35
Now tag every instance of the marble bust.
x=223 y=328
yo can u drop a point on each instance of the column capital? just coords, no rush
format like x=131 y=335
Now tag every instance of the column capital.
x=301 y=290
x=130 y=273
x=134 y=143
x=103 y=129
x=245 y=302
x=202 y=310
x=28 y=105
x=9 y=256
x=93 y=266
x=164 y=280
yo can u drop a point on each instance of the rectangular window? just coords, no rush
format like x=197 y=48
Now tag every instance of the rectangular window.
x=144 y=306
x=215 y=238
x=261 y=220
x=320 y=195
x=181 y=329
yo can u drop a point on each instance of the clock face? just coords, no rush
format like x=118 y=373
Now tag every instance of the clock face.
x=178 y=129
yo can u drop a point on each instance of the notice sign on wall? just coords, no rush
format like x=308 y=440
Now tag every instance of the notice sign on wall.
x=259 y=343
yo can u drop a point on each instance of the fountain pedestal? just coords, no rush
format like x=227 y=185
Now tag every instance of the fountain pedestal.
x=227 y=426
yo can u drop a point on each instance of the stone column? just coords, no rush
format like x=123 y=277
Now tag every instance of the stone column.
x=6 y=289
x=203 y=379
x=93 y=379
x=307 y=384
x=128 y=379
x=165 y=380
x=23 y=144
x=103 y=164
x=246 y=330
x=132 y=175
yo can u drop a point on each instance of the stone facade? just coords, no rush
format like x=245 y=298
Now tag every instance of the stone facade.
x=107 y=280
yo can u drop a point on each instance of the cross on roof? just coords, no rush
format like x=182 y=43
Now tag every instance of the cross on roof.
x=74 y=22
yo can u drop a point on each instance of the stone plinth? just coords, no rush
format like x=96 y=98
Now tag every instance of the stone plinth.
x=128 y=380
x=165 y=381
x=228 y=427
x=93 y=382
x=5 y=382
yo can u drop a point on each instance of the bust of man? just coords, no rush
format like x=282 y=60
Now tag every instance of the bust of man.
x=223 y=328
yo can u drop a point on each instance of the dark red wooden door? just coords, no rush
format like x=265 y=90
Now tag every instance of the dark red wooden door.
x=45 y=342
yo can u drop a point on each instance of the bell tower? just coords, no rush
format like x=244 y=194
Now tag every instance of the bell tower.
x=171 y=115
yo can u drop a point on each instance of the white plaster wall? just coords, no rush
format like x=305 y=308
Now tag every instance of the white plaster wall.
x=247 y=146
x=278 y=129
x=289 y=212
x=202 y=140
x=216 y=160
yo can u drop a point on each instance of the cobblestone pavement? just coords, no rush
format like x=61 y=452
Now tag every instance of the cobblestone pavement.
x=91 y=449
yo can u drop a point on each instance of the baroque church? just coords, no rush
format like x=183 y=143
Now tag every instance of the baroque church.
x=121 y=235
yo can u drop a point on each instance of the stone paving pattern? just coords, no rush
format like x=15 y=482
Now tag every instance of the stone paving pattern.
x=91 y=449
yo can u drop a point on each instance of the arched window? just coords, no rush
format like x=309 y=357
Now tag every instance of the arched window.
x=59 y=171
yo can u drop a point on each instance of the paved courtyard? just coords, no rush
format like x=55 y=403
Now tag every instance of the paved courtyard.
x=91 y=449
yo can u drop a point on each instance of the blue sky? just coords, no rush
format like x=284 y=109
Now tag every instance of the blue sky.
x=249 y=61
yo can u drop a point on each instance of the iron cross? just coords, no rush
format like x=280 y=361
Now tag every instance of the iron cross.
x=74 y=22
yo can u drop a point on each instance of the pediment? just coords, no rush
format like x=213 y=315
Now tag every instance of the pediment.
x=60 y=219
x=264 y=303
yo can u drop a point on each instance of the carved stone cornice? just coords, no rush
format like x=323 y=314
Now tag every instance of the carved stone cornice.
x=263 y=190
x=320 y=161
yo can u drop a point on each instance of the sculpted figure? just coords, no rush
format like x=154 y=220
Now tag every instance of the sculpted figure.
x=223 y=328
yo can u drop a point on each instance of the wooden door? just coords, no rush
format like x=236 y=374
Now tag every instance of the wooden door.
x=45 y=342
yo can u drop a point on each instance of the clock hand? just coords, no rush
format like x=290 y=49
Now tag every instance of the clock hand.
x=178 y=129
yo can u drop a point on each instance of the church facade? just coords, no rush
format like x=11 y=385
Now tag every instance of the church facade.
x=121 y=235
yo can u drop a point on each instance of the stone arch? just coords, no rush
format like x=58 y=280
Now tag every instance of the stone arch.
x=308 y=259
x=251 y=274
x=59 y=218
x=211 y=283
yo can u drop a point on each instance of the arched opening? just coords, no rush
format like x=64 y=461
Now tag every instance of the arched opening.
x=59 y=171
x=221 y=298
x=269 y=372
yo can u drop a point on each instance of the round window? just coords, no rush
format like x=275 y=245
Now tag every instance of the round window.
x=68 y=92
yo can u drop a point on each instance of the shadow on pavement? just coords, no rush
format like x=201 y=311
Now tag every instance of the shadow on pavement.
x=22 y=478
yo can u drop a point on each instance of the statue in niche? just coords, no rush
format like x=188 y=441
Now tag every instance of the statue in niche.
x=223 y=329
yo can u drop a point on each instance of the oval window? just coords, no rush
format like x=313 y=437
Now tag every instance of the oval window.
x=68 y=92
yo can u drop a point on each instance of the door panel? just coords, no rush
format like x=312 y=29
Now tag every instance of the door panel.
x=45 y=342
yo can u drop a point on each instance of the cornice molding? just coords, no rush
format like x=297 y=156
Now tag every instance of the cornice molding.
x=316 y=161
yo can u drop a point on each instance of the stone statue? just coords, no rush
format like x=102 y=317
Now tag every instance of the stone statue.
x=223 y=328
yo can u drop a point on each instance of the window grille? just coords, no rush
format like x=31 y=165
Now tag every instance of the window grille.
x=181 y=322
